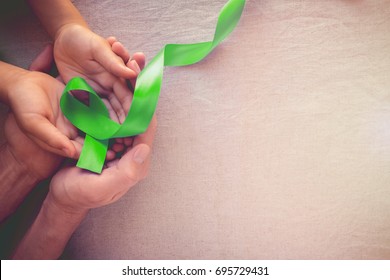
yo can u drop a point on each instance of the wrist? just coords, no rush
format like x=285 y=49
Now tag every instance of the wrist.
x=50 y=232
x=15 y=182
x=12 y=167
x=69 y=212
x=74 y=25
x=55 y=14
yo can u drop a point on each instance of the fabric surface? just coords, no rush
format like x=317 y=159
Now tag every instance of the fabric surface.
x=276 y=146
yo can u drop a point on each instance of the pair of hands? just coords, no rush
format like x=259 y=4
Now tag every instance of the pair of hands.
x=105 y=64
x=38 y=134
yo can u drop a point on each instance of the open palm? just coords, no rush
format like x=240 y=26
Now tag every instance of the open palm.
x=80 y=52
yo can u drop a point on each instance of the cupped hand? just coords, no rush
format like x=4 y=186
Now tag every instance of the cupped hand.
x=105 y=64
x=75 y=190
x=37 y=134
x=34 y=100
x=38 y=162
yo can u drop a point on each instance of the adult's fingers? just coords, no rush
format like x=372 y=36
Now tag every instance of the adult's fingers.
x=118 y=178
x=124 y=96
x=129 y=170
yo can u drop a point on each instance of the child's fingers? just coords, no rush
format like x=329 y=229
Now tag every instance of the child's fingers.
x=132 y=64
x=111 y=62
x=111 y=111
x=120 y=51
x=111 y=40
x=139 y=57
x=137 y=63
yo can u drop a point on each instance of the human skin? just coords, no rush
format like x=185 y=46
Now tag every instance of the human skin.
x=78 y=51
x=34 y=100
x=24 y=161
x=72 y=191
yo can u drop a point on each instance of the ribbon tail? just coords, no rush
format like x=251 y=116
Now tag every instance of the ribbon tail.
x=93 y=154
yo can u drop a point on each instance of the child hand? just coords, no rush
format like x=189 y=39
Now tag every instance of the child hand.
x=80 y=52
x=34 y=100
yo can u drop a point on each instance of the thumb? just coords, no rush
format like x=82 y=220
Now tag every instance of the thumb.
x=123 y=175
x=132 y=164
x=48 y=137
x=111 y=62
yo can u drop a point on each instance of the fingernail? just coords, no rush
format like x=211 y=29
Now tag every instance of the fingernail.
x=133 y=65
x=141 y=154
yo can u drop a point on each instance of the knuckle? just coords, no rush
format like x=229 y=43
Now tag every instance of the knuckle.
x=131 y=177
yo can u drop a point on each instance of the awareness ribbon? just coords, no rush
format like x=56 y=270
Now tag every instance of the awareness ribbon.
x=94 y=119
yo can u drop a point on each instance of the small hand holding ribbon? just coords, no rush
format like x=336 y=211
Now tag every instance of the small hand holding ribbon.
x=94 y=119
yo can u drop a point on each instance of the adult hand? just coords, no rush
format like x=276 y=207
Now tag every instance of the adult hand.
x=75 y=191
x=38 y=163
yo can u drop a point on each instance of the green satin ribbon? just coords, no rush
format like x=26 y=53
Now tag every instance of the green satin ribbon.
x=94 y=119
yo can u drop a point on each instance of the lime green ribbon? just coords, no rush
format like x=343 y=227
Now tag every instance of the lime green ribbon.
x=94 y=119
